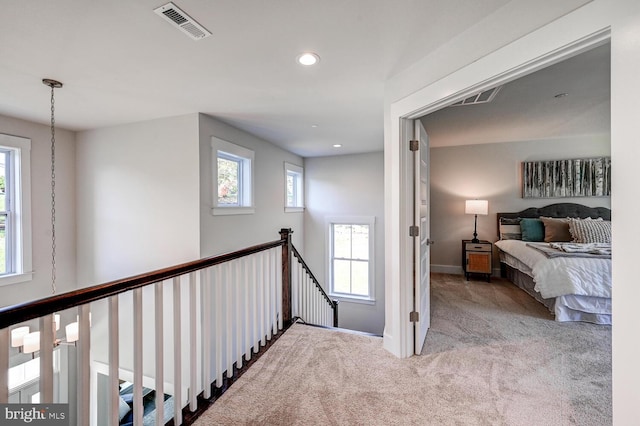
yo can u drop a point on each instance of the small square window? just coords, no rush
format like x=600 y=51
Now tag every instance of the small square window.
x=294 y=188
x=232 y=167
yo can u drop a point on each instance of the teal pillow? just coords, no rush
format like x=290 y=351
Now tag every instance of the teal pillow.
x=532 y=230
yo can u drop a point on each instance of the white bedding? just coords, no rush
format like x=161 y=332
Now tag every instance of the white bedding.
x=563 y=275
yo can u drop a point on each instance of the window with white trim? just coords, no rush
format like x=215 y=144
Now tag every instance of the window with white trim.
x=15 y=209
x=232 y=171
x=351 y=255
x=294 y=188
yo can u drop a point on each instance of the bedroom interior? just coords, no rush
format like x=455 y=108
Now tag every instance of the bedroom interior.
x=477 y=150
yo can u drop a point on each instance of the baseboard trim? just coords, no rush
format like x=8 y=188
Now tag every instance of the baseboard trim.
x=456 y=270
x=447 y=269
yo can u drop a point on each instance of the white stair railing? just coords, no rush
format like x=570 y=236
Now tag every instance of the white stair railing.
x=181 y=333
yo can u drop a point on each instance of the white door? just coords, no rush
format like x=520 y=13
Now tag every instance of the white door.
x=422 y=293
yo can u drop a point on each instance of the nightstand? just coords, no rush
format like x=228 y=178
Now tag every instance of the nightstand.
x=476 y=258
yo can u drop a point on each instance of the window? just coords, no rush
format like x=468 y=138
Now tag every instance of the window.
x=15 y=209
x=232 y=167
x=294 y=188
x=351 y=258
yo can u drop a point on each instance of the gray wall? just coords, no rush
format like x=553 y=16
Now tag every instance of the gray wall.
x=220 y=234
x=349 y=185
x=492 y=172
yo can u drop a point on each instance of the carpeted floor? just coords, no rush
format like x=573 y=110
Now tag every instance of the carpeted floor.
x=493 y=356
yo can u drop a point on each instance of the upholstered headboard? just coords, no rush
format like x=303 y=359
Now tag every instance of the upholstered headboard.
x=559 y=210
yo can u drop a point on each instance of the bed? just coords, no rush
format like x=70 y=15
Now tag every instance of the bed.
x=560 y=255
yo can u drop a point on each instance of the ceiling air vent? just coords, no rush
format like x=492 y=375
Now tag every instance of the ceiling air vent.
x=185 y=23
x=479 y=98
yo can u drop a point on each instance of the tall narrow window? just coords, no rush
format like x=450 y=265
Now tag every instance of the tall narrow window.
x=6 y=264
x=294 y=188
x=232 y=170
x=15 y=209
x=351 y=257
x=229 y=180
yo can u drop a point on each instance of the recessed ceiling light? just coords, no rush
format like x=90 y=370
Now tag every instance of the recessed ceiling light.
x=308 y=59
x=337 y=145
x=314 y=125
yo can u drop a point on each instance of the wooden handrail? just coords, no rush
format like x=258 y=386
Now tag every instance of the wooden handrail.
x=313 y=278
x=11 y=315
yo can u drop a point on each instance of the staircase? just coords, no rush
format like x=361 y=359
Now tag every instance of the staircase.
x=175 y=337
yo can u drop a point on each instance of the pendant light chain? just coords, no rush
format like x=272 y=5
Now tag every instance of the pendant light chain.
x=53 y=84
x=53 y=195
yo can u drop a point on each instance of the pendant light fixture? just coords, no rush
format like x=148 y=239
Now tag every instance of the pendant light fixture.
x=20 y=337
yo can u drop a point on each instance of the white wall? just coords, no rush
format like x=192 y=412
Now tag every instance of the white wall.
x=138 y=198
x=492 y=172
x=138 y=204
x=40 y=285
x=220 y=234
x=349 y=185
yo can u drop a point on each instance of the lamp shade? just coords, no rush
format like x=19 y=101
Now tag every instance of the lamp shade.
x=476 y=207
x=17 y=336
x=71 y=331
x=31 y=342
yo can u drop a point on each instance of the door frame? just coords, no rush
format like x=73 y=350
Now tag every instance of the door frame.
x=555 y=42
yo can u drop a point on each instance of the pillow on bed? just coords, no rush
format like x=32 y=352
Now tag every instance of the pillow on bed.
x=510 y=229
x=556 y=230
x=532 y=230
x=590 y=230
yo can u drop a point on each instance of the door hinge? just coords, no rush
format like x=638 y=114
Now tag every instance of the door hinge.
x=414 y=316
x=414 y=145
x=414 y=231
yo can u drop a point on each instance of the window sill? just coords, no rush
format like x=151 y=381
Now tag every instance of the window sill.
x=15 y=278
x=294 y=209
x=352 y=299
x=225 y=211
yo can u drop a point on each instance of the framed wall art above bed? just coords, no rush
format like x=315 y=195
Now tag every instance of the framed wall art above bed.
x=581 y=177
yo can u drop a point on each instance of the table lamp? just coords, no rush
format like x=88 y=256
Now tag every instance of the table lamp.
x=476 y=207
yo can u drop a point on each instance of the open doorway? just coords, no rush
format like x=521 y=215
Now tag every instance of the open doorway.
x=562 y=111
x=516 y=60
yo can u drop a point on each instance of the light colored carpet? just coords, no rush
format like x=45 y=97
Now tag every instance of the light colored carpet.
x=493 y=356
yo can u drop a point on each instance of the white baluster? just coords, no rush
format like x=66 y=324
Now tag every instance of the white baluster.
x=247 y=308
x=138 y=406
x=300 y=292
x=46 y=358
x=114 y=361
x=239 y=308
x=193 y=344
x=268 y=295
x=159 y=352
x=228 y=301
x=256 y=300
x=262 y=300
x=218 y=306
x=177 y=353
x=4 y=365
x=83 y=364
x=205 y=308
x=279 y=289
x=294 y=287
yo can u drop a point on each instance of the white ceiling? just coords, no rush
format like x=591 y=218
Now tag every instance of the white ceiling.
x=528 y=109
x=122 y=63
